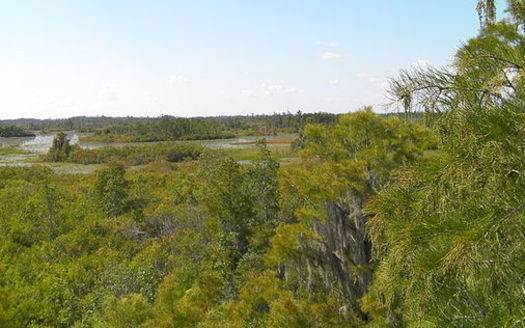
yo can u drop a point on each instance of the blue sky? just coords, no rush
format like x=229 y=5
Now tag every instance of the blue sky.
x=62 y=58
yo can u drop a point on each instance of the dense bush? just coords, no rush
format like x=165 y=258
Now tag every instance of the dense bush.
x=14 y=131
x=135 y=154
x=60 y=149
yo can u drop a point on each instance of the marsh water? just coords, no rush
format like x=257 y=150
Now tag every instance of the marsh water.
x=39 y=144
x=241 y=141
x=32 y=147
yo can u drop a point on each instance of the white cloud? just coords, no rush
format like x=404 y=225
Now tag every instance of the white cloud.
x=327 y=55
x=178 y=79
x=272 y=89
x=291 y=90
x=247 y=93
x=333 y=82
x=329 y=44
x=275 y=87
x=421 y=63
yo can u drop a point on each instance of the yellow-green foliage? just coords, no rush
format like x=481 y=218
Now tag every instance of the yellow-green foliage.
x=326 y=246
x=448 y=237
x=209 y=242
x=131 y=310
x=12 y=151
x=279 y=152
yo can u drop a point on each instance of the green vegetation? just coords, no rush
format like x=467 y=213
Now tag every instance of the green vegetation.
x=166 y=128
x=186 y=246
x=14 y=131
x=206 y=128
x=62 y=151
x=279 y=153
x=138 y=154
x=381 y=222
x=111 y=190
x=449 y=236
x=12 y=151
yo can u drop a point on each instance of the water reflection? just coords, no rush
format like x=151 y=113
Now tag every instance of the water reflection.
x=39 y=144
x=241 y=142
x=42 y=142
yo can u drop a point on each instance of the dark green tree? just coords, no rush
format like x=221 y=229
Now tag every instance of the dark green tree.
x=14 y=131
x=60 y=148
x=244 y=201
x=111 y=190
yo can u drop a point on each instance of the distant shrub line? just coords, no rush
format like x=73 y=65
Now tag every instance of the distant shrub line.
x=107 y=138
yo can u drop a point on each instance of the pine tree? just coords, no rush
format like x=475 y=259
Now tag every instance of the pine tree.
x=60 y=148
x=111 y=190
x=449 y=235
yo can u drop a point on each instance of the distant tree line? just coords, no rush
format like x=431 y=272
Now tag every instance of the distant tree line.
x=170 y=127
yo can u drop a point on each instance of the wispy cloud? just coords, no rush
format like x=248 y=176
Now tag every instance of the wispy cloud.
x=328 y=55
x=333 y=82
x=330 y=44
x=178 y=79
x=272 y=89
x=247 y=93
x=291 y=90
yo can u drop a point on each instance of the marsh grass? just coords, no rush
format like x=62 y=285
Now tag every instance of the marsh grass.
x=13 y=151
x=268 y=141
x=278 y=152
